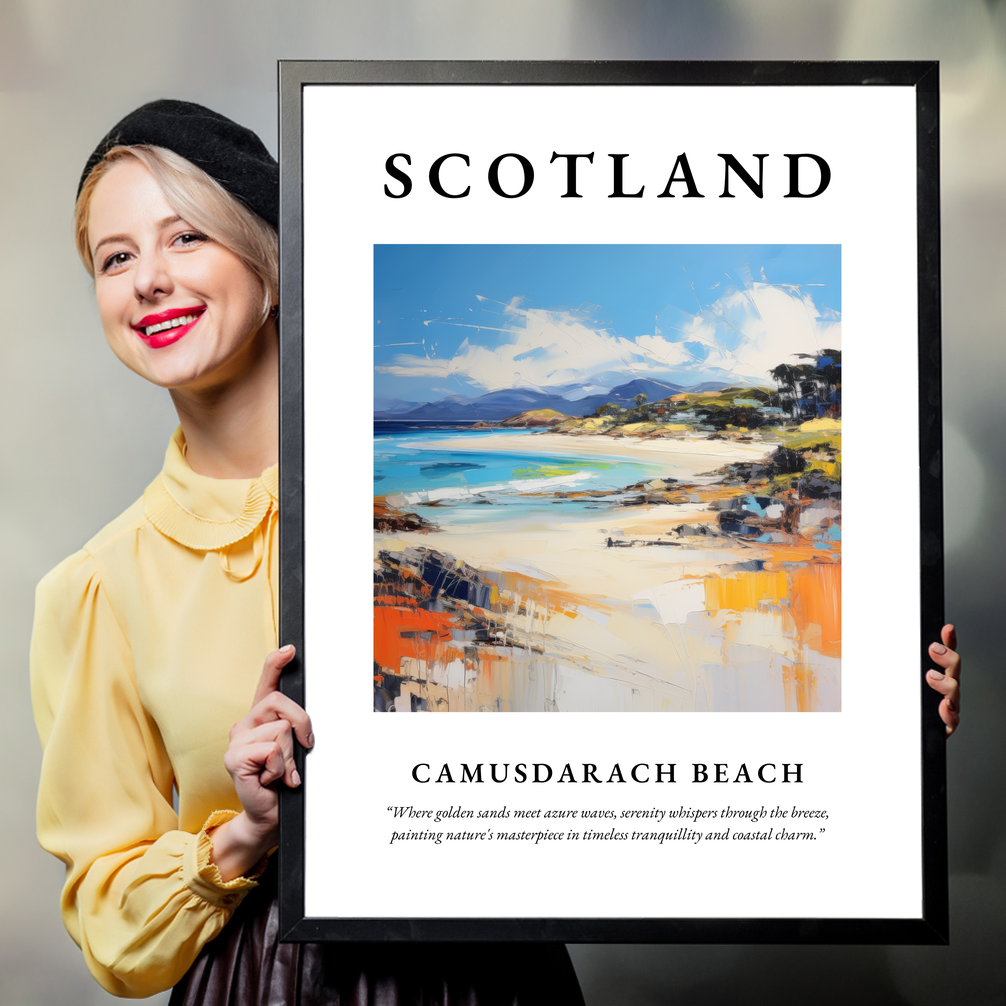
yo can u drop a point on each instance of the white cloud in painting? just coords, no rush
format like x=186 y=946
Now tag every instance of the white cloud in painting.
x=751 y=330
x=739 y=337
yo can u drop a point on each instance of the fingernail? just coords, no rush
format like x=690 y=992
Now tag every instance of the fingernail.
x=295 y=777
x=287 y=649
x=310 y=740
x=936 y=675
x=938 y=648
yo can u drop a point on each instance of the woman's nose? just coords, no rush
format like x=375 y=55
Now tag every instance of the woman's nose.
x=152 y=277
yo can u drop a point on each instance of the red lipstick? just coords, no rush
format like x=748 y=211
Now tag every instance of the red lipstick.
x=166 y=327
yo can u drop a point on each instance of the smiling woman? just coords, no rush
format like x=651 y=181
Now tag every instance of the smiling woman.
x=148 y=642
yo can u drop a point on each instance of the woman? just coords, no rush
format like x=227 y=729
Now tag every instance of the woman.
x=148 y=643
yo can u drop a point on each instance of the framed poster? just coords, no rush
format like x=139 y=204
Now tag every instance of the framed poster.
x=565 y=429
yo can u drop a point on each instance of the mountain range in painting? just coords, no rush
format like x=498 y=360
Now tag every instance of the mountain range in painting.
x=497 y=405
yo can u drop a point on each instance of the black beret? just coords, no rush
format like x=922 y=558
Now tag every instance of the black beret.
x=230 y=154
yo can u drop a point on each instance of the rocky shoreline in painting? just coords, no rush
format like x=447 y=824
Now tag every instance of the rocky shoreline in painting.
x=731 y=582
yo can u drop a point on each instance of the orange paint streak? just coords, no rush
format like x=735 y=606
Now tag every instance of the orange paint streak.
x=396 y=601
x=743 y=591
x=493 y=677
x=391 y=623
x=812 y=594
x=802 y=553
x=799 y=688
x=546 y=595
x=816 y=607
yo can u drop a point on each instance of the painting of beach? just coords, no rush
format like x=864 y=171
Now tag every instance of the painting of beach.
x=607 y=478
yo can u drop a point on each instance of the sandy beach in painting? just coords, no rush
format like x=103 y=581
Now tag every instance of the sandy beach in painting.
x=695 y=454
x=636 y=605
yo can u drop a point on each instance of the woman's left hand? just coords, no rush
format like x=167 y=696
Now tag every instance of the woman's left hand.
x=948 y=681
x=260 y=754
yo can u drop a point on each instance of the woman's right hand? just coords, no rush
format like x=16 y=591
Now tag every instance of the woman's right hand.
x=948 y=681
x=260 y=753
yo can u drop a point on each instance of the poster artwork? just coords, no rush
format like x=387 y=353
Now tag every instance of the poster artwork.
x=607 y=478
x=573 y=337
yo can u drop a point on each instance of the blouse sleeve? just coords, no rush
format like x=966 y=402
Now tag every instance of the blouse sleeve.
x=141 y=898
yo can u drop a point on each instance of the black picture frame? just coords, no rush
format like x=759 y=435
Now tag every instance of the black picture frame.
x=932 y=925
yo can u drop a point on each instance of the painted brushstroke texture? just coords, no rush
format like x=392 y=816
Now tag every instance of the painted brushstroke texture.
x=692 y=594
x=681 y=554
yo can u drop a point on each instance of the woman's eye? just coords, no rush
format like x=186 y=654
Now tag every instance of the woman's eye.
x=190 y=238
x=114 y=261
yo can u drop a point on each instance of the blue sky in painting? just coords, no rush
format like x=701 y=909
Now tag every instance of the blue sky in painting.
x=467 y=319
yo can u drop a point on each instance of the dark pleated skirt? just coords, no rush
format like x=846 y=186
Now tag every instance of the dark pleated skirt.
x=246 y=965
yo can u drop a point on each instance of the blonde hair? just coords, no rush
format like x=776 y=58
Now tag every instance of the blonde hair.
x=199 y=200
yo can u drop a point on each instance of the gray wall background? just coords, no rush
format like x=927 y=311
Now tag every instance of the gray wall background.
x=82 y=436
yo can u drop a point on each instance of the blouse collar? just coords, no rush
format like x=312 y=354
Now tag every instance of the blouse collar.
x=203 y=513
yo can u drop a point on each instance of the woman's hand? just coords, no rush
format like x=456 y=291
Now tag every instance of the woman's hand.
x=947 y=682
x=260 y=753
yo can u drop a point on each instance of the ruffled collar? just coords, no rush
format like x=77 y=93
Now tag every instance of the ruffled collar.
x=203 y=513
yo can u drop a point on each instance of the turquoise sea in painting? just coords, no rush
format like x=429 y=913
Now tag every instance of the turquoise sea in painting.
x=469 y=482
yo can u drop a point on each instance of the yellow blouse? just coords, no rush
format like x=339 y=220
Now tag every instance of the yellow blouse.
x=147 y=647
